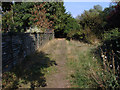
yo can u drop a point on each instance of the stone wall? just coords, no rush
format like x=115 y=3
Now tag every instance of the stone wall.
x=15 y=47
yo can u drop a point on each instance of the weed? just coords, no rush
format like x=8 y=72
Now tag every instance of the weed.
x=89 y=71
x=29 y=73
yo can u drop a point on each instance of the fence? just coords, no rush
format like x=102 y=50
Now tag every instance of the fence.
x=15 y=47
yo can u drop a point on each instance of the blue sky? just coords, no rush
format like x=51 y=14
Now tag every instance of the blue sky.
x=77 y=8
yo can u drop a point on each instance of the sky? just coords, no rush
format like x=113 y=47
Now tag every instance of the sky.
x=77 y=8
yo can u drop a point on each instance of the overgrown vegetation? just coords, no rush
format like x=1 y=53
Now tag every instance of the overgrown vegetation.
x=19 y=16
x=93 y=26
x=30 y=73
x=89 y=70
x=97 y=26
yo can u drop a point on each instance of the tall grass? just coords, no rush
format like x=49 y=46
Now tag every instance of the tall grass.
x=89 y=71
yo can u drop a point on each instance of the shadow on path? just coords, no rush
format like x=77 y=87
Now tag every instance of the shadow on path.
x=29 y=71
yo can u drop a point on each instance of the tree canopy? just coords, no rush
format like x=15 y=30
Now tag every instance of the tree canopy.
x=19 y=16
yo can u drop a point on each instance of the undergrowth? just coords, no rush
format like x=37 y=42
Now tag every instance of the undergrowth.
x=30 y=73
x=89 y=70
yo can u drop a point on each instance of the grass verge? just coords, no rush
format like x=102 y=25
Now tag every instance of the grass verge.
x=88 y=71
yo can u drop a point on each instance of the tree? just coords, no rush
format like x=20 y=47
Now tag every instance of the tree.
x=7 y=21
x=71 y=25
x=114 y=16
x=43 y=14
x=39 y=17
x=6 y=6
x=98 y=7
x=91 y=19
x=22 y=14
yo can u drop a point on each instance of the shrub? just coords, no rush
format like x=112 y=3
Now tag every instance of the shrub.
x=113 y=34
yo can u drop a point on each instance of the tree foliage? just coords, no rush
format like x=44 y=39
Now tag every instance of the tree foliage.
x=39 y=17
x=114 y=16
x=50 y=14
x=7 y=21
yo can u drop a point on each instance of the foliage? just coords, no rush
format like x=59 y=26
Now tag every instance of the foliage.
x=113 y=18
x=99 y=22
x=112 y=34
x=98 y=7
x=111 y=49
x=71 y=25
x=7 y=21
x=19 y=15
x=89 y=71
x=91 y=25
x=7 y=79
x=43 y=15
x=104 y=25
x=22 y=14
x=30 y=75
x=6 y=6
x=109 y=54
x=39 y=17
x=91 y=19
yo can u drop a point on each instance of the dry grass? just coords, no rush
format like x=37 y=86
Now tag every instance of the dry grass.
x=89 y=72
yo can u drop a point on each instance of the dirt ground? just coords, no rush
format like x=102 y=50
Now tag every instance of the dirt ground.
x=48 y=67
x=53 y=57
x=59 y=54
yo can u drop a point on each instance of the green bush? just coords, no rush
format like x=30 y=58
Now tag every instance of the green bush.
x=113 y=34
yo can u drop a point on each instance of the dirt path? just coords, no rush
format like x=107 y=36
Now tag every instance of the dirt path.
x=62 y=52
x=54 y=66
x=59 y=54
